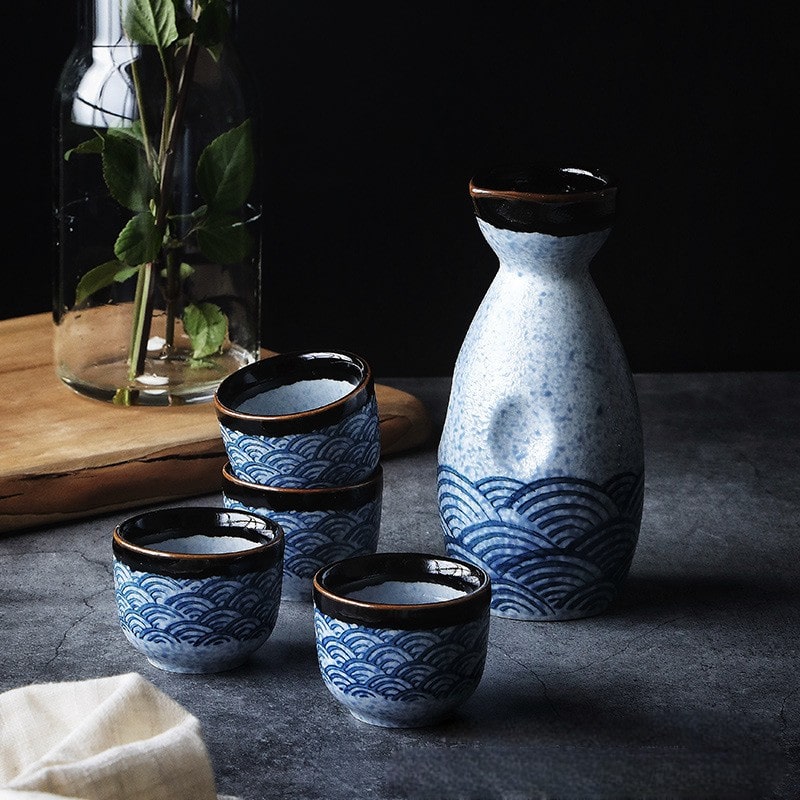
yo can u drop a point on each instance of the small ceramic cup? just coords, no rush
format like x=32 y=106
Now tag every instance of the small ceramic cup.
x=301 y=420
x=401 y=637
x=319 y=525
x=198 y=589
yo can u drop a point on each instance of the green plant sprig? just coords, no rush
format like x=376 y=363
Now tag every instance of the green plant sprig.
x=139 y=176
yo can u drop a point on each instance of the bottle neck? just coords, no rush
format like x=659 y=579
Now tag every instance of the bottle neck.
x=106 y=94
x=100 y=21
x=543 y=255
x=108 y=16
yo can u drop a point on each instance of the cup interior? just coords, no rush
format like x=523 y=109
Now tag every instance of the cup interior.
x=412 y=578
x=292 y=383
x=201 y=532
x=403 y=590
x=305 y=394
x=391 y=592
x=188 y=543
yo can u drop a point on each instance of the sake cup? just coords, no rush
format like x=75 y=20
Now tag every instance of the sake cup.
x=320 y=525
x=198 y=589
x=401 y=638
x=300 y=420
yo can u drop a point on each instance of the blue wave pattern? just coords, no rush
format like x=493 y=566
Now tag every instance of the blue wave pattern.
x=555 y=548
x=338 y=455
x=400 y=678
x=197 y=625
x=313 y=539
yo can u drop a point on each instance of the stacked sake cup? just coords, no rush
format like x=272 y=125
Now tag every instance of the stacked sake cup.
x=302 y=438
x=401 y=638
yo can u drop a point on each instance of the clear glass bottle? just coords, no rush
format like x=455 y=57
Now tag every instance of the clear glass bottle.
x=157 y=209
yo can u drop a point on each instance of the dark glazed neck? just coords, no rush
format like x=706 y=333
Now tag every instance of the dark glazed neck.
x=560 y=201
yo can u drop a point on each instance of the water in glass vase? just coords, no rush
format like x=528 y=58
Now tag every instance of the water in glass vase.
x=157 y=291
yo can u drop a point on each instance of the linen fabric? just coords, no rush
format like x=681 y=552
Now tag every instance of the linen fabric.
x=110 y=738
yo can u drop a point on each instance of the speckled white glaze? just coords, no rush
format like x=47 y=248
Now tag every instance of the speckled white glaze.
x=542 y=414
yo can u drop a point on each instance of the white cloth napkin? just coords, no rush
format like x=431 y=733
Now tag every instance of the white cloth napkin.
x=113 y=738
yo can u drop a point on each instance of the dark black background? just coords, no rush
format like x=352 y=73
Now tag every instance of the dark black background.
x=377 y=115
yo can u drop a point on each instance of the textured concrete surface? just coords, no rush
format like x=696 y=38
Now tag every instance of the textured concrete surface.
x=688 y=687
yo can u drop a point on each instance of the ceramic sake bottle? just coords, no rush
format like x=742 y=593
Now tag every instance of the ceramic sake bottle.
x=541 y=464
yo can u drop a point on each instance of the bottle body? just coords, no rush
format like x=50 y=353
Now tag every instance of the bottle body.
x=541 y=466
x=157 y=213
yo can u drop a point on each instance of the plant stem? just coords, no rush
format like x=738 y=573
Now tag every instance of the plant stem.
x=172 y=264
x=174 y=108
x=173 y=285
x=141 y=321
x=137 y=85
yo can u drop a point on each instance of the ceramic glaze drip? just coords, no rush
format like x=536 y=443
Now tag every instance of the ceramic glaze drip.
x=200 y=544
x=541 y=465
x=296 y=397
x=406 y=593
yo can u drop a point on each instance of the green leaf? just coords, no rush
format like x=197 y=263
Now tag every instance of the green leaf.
x=184 y=271
x=226 y=168
x=102 y=276
x=212 y=26
x=224 y=239
x=132 y=132
x=94 y=145
x=125 y=169
x=151 y=22
x=139 y=241
x=206 y=326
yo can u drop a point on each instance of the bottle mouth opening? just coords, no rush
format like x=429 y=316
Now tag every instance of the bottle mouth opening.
x=556 y=200
x=541 y=182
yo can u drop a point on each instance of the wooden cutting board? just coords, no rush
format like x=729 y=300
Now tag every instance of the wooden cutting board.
x=64 y=456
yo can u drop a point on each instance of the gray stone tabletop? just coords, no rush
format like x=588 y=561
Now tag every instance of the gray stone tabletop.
x=688 y=687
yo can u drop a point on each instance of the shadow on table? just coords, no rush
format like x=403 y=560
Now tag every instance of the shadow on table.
x=642 y=594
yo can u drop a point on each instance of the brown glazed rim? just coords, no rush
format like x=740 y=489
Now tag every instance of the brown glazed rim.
x=246 y=380
x=369 y=570
x=542 y=198
x=282 y=498
x=266 y=534
x=478 y=184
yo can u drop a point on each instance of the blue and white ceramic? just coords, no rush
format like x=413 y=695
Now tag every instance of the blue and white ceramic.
x=401 y=637
x=320 y=525
x=301 y=420
x=541 y=465
x=198 y=589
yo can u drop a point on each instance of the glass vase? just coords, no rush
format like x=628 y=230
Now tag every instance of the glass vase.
x=157 y=209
